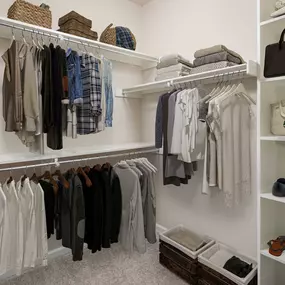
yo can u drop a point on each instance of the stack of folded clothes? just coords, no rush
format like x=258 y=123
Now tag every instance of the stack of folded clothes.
x=171 y=66
x=279 y=9
x=214 y=58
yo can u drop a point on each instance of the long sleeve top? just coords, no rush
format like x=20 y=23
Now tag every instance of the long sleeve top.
x=4 y=233
x=41 y=229
x=132 y=235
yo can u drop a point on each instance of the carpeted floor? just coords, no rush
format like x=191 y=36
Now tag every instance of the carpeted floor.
x=109 y=267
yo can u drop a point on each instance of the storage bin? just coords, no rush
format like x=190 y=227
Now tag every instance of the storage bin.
x=192 y=254
x=74 y=16
x=32 y=14
x=178 y=258
x=214 y=275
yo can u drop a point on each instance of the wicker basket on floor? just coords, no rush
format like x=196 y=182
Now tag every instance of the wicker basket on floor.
x=29 y=13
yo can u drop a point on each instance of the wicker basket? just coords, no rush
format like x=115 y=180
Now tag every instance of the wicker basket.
x=91 y=35
x=29 y=13
x=109 y=36
x=73 y=16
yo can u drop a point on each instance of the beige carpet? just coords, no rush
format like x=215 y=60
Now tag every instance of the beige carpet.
x=111 y=266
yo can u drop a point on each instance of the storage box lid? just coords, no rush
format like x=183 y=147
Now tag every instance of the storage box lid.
x=77 y=17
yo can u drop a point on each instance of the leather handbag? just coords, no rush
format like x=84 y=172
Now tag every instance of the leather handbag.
x=278 y=118
x=274 y=65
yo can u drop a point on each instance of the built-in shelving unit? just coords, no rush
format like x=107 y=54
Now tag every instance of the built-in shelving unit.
x=9 y=27
x=243 y=71
x=270 y=152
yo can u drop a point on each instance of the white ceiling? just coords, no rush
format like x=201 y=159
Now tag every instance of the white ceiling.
x=141 y=2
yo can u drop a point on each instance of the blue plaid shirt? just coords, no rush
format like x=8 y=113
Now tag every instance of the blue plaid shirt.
x=88 y=112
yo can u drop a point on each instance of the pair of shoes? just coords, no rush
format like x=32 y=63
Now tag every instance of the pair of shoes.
x=278 y=188
x=277 y=246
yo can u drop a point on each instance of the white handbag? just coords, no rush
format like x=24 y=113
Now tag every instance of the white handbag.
x=278 y=118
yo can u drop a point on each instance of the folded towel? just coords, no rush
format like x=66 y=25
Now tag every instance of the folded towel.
x=279 y=4
x=173 y=59
x=278 y=13
x=216 y=57
x=216 y=49
x=211 y=66
x=177 y=67
x=170 y=75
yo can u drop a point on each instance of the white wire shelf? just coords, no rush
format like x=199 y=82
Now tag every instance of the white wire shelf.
x=271 y=197
x=72 y=154
x=280 y=259
x=242 y=71
x=272 y=20
x=113 y=53
x=273 y=138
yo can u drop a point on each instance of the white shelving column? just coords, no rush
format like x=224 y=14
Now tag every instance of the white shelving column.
x=271 y=152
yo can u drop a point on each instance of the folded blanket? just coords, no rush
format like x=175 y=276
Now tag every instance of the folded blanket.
x=177 y=67
x=216 y=57
x=211 y=66
x=170 y=75
x=216 y=49
x=173 y=59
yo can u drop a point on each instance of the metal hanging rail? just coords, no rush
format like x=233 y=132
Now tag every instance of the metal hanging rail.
x=242 y=71
x=57 y=162
x=8 y=26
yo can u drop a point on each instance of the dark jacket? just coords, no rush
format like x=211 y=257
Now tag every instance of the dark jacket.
x=94 y=211
x=73 y=216
x=49 y=206
x=107 y=209
x=116 y=194
x=59 y=92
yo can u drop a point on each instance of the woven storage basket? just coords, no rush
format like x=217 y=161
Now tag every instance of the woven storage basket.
x=109 y=36
x=91 y=35
x=29 y=13
x=74 y=16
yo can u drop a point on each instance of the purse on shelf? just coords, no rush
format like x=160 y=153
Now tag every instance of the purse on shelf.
x=274 y=65
x=278 y=118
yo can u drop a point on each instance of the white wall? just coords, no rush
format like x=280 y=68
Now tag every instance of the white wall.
x=184 y=26
x=127 y=124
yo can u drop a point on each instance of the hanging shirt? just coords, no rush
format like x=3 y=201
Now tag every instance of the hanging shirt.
x=132 y=235
x=41 y=230
x=26 y=198
x=4 y=233
x=88 y=112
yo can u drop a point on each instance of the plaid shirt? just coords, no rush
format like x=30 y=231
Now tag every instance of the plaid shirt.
x=124 y=38
x=88 y=112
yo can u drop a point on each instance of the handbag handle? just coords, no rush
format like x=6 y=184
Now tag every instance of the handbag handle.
x=281 y=39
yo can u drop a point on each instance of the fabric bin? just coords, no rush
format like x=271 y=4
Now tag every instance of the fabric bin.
x=214 y=275
x=178 y=258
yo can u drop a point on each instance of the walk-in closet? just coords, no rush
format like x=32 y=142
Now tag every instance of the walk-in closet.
x=142 y=142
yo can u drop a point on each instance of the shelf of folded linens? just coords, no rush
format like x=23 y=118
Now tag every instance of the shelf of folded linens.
x=8 y=27
x=75 y=153
x=242 y=71
x=280 y=259
x=272 y=20
x=270 y=196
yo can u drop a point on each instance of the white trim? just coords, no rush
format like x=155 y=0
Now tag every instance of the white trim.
x=160 y=229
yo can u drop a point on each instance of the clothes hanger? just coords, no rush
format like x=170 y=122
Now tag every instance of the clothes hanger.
x=13 y=37
x=87 y=179
x=61 y=178
x=23 y=37
x=34 y=178
x=24 y=176
x=11 y=176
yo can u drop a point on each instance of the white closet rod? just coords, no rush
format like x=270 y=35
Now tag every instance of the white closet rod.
x=57 y=163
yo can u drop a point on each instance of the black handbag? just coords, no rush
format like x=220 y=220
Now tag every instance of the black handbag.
x=274 y=65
